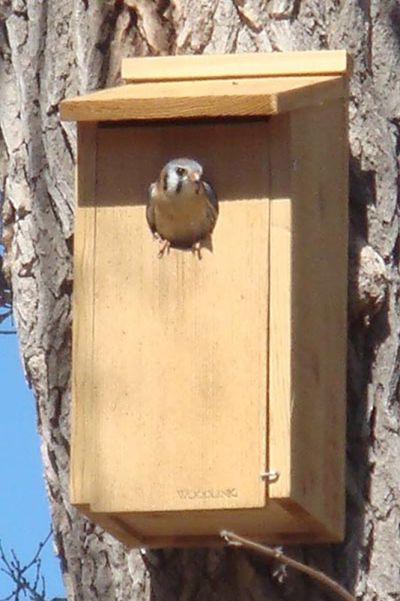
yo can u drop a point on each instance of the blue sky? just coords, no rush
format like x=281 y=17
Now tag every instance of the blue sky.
x=24 y=512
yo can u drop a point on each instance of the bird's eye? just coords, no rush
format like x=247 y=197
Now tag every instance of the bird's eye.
x=180 y=171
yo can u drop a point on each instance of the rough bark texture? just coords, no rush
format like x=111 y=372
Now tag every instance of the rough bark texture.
x=49 y=50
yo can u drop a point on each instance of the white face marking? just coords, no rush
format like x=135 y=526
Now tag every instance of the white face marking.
x=172 y=182
x=180 y=180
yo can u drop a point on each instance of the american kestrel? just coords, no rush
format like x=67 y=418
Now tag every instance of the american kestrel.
x=182 y=208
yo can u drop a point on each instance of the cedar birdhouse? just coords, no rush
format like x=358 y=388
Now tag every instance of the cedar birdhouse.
x=210 y=394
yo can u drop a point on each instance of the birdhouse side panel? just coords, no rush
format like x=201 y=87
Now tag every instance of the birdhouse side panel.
x=319 y=283
x=82 y=408
x=280 y=314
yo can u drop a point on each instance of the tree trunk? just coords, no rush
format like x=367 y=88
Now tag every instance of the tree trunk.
x=50 y=50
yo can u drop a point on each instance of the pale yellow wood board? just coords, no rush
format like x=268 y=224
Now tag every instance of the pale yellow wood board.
x=280 y=317
x=83 y=322
x=202 y=98
x=306 y=434
x=269 y=520
x=86 y=165
x=214 y=66
x=280 y=382
x=319 y=298
x=180 y=345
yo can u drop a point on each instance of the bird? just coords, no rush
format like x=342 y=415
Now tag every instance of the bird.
x=182 y=208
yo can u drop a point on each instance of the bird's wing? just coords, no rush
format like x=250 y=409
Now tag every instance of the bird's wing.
x=212 y=205
x=211 y=195
x=150 y=214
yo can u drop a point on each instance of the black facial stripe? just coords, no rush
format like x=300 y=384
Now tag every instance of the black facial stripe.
x=165 y=181
x=179 y=186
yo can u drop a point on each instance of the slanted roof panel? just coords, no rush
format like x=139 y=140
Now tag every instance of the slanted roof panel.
x=246 y=97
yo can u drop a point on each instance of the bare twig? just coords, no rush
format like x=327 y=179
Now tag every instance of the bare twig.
x=24 y=586
x=4 y=316
x=238 y=541
x=5 y=292
x=39 y=550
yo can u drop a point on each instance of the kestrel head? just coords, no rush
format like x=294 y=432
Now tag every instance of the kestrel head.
x=180 y=175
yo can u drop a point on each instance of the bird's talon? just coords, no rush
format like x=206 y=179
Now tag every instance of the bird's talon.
x=164 y=248
x=196 y=250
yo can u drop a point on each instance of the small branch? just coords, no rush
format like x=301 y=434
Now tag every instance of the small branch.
x=4 y=316
x=38 y=552
x=24 y=585
x=238 y=541
x=4 y=559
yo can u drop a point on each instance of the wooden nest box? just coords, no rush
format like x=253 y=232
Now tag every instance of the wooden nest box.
x=210 y=394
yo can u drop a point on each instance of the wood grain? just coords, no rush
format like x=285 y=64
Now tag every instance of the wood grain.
x=267 y=521
x=280 y=318
x=215 y=98
x=83 y=322
x=195 y=376
x=319 y=301
x=194 y=67
x=180 y=420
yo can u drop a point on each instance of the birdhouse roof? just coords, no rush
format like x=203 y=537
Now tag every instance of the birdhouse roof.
x=236 y=85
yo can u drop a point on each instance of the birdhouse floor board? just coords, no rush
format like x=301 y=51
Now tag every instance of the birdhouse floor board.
x=273 y=524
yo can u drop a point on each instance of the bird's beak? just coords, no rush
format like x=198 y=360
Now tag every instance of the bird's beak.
x=194 y=177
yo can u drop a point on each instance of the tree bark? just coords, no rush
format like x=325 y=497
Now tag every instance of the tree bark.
x=50 y=50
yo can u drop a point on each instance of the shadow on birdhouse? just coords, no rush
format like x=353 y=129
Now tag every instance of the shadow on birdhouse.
x=210 y=394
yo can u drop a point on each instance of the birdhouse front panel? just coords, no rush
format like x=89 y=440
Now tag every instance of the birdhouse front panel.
x=180 y=342
x=208 y=384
